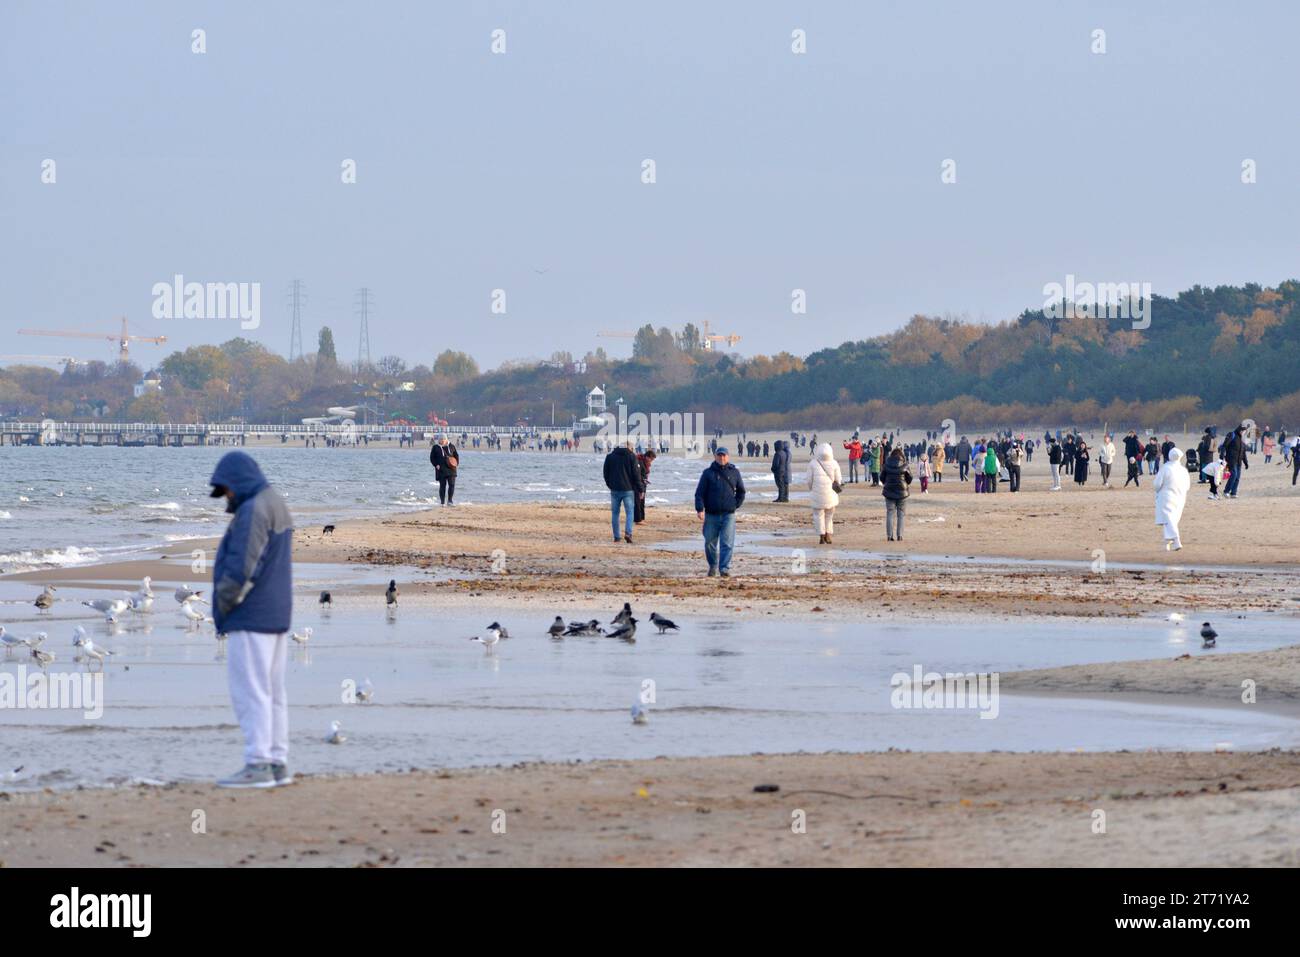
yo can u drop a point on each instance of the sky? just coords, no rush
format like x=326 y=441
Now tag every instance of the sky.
x=522 y=171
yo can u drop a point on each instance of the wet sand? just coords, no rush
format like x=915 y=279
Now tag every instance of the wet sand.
x=893 y=808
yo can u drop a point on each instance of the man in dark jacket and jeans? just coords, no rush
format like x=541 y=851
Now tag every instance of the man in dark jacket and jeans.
x=625 y=482
x=252 y=604
x=1234 y=454
x=719 y=493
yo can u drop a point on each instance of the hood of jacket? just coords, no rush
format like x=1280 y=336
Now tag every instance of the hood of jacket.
x=240 y=473
x=825 y=453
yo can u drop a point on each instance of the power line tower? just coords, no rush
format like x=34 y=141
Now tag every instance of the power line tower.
x=363 y=303
x=297 y=299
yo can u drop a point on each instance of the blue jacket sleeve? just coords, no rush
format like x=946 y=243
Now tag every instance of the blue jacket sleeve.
x=231 y=579
x=699 y=491
x=740 y=489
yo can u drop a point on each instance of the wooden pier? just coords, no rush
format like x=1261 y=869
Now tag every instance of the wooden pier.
x=176 y=435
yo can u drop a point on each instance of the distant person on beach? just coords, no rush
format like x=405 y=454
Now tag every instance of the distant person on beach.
x=445 y=461
x=1015 y=462
x=720 y=491
x=1106 y=458
x=1054 y=456
x=1234 y=456
x=781 y=470
x=855 y=456
x=963 y=458
x=897 y=479
x=643 y=463
x=1082 y=456
x=1171 y=485
x=252 y=605
x=937 y=457
x=623 y=479
x=824 y=478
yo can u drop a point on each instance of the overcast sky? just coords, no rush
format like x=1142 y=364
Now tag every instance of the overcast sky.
x=522 y=171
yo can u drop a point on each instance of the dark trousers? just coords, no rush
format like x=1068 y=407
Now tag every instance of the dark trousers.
x=1014 y=471
x=782 y=490
x=962 y=469
x=638 y=512
x=446 y=488
x=1295 y=466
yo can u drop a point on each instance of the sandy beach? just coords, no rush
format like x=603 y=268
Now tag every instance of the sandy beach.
x=1032 y=553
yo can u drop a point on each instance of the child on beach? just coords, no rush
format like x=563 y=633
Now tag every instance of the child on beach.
x=924 y=473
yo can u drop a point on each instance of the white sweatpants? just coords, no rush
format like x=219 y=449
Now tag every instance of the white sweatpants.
x=255 y=666
x=824 y=519
x=1171 y=534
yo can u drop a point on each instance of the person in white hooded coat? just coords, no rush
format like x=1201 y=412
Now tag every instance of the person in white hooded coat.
x=823 y=473
x=1171 y=485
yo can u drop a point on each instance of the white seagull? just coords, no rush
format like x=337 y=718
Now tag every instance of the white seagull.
x=639 y=714
x=490 y=642
x=42 y=658
x=335 y=737
x=185 y=593
x=12 y=641
x=110 y=607
x=366 y=692
x=192 y=614
x=89 y=650
x=302 y=637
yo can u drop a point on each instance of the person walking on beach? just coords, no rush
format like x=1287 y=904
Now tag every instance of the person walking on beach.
x=445 y=461
x=824 y=480
x=991 y=467
x=252 y=605
x=1234 y=456
x=1015 y=461
x=643 y=462
x=1171 y=485
x=897 y=479
x=963 y=459
x=781 y=470
x=1054 y=456
x=1106 y=458
x=1082 y=456
x=718 y=494
x=936 y=462
x=923 y=471
x=623 y=479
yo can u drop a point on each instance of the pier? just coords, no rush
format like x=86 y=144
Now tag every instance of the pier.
x=178 y=434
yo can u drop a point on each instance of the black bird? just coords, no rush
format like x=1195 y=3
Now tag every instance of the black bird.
x=391 y=594
x=1209 y=634
x=624 y=616
x=662 y=623
x=327 y=530
x=325 y=599
x=625 y=631
x=557 y=628
x=497 y=627
x=584 y=628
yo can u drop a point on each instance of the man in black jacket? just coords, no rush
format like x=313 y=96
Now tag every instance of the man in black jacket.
x=720 y=491
x=445 y=461
x=624 y=480
x=963 y=459
x=1234 y=455
x=781 y=470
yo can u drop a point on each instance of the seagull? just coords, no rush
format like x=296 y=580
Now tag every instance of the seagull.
x=146 y=587
x=192 y=614
x=584 y=628
x=391 y=594
x=111 y=607
x=1176 y=617
x=366 y=692
x=639 y=714
x=302 y=637
x=500 y=630
x=1208 y=634
x=325 y=599
x=557 y=628
x=625 y=632
x=45 y=600
x=88 y=648
x=12 y=641
x=490 y=642
x=140 y=602
x=334 y=737
x=662 y=623
x=623 y=616
x=185 y=593
x=42 y=658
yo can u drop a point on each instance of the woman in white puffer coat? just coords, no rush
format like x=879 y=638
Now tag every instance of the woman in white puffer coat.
x=1171 y=485
x=823 y=474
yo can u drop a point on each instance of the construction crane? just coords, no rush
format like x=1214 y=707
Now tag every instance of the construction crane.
x=123 y=339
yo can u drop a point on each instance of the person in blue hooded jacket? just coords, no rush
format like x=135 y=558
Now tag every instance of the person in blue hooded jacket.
x=252 y=604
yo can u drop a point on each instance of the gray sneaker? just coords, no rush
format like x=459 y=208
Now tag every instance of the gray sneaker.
x=252 y=776
x=283 y=775
x=713 y=573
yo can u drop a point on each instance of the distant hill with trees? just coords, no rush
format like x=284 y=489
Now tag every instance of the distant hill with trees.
x=1208 y=355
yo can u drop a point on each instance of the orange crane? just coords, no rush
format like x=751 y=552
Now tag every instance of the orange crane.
x=123 y=339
